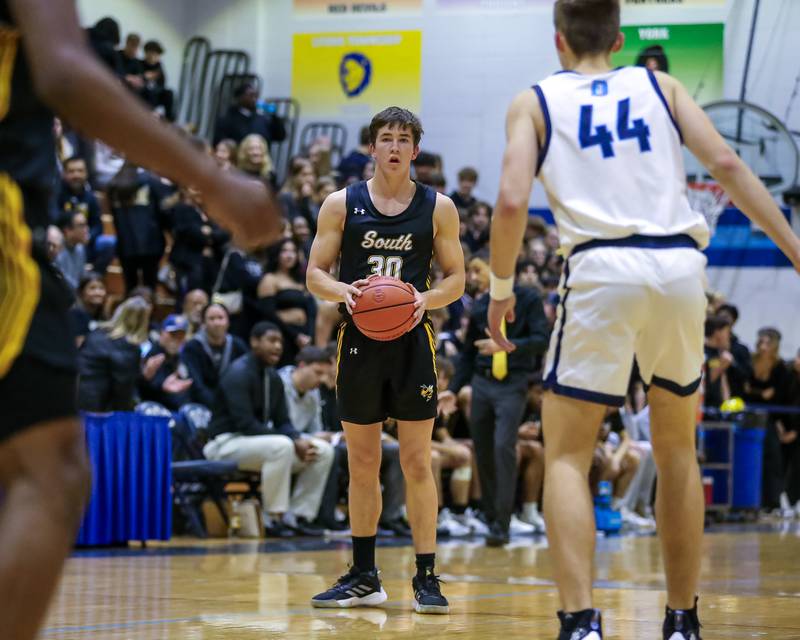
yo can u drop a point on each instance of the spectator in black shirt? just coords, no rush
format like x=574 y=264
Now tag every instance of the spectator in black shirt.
x=130 y=63
x=89 y=309
x=767 y=385
x=243 y=118
x=479 y=218
x=742 y=367
x=209 y=354
x=163 y=377
x=108 y=362
x=351 y=167
x=462 y=197
x=498 y=399
x=251 y=426
x=155 y=91
x=198 y=244
x=135 y=196
x=104 y=38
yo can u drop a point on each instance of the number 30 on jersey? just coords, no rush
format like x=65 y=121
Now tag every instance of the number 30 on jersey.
x=602 y=137
x=390 y=266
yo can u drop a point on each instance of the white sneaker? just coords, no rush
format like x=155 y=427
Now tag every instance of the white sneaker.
x=635 y=520
x=787 y=512
x=533 y=517
x=478 y=526
x=518 y=527
x=447 y=521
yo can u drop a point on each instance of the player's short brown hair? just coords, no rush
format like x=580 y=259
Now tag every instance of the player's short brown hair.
x=590 y=26
x=396 y=116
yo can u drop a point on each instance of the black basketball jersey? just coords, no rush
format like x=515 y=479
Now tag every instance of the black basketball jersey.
x=398 y=246
x=27 y=147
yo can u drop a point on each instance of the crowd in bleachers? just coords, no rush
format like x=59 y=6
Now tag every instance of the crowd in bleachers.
x=136 y=247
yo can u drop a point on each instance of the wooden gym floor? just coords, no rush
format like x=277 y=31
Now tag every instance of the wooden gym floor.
x=245 y=590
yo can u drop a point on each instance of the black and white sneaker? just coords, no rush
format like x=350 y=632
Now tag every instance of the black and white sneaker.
x=354 y=589
x=681 y=624
x=428 y=596
x=581 y=625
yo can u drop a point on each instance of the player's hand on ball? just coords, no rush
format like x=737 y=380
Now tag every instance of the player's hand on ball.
x=420 y=305
x=499 y=309
x=350 y=292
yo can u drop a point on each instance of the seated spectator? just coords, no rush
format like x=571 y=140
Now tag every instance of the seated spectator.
x=163 y=379
x=244 y=118
x=351 y=168
x=155 y=91
x=76 y=196
x=283 y=299
x=235 y=287
x=426 y=164
x=296 y=196
x=104 y=39
x=54 y=242
x=718 y=361
x=479 y=218
x=135 y=198
x=109 y=361
x=90 y=308
x=538 y=255
x=132 y=70
x=194 y=302
x=198 y=244
x=530 y=456
x=438 y=182
x=463 y=197
x=621 y=462
x=301 y=234
x=252 y=426
x=391 y=520
x=209 y=353
x=253 y=157
x=743 y=362
x=767 y=385
x=790 y=436
x=451 y=454
x=369 y=170
x=225 y=153
x=319 y=155
x=635 y=505
x=71 y=260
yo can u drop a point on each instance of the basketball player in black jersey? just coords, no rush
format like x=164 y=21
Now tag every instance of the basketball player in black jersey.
x=389 y=226
x=45 y=64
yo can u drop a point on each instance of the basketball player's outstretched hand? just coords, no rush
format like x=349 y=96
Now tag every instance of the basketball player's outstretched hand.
x=245 y=207
x=420 y=305
x=499 y=309
x=351 y=292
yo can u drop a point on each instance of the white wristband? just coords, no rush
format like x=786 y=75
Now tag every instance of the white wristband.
x=500 y=288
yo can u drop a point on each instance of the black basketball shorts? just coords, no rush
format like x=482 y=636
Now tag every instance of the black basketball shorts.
x=378 y=380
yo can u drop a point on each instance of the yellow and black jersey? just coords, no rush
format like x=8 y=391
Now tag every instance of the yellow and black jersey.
x=33 y=297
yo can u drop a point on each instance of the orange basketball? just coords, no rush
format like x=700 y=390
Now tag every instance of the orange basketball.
x=385 y=309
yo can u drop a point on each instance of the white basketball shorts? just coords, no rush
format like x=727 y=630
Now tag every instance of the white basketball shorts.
x=617 y=303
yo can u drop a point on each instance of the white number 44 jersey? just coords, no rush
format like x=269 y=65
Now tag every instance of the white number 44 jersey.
x=611 y=162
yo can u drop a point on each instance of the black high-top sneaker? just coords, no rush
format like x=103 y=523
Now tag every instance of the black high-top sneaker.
x=428 y=596
x=581 y=625
x=681 y=624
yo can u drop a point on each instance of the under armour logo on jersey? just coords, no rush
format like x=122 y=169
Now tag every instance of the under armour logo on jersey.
x=359 y=212
x=354 y=351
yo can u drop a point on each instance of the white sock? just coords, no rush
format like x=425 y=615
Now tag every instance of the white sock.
x=530 y=509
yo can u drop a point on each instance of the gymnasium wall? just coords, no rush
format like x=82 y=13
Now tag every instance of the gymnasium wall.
x=472 y=65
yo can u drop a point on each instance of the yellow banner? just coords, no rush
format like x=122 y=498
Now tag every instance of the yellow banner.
x=356 y=74
x=306 y=8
